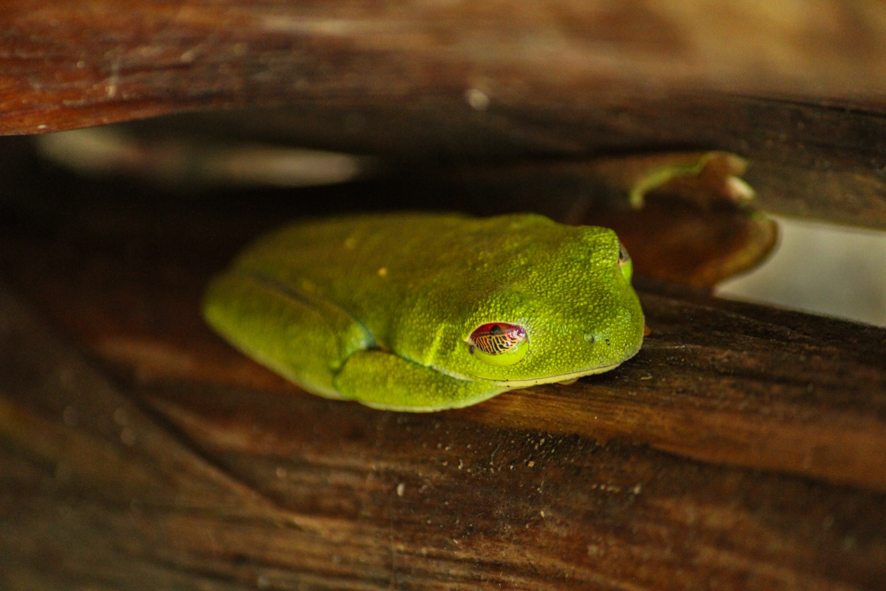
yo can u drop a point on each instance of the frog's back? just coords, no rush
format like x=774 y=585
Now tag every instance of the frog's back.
x=395 y=248
x=370 y=265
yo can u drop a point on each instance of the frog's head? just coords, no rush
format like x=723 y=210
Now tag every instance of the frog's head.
x=556 y=311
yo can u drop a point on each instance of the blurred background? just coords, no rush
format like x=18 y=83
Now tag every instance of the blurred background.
x=821 y=268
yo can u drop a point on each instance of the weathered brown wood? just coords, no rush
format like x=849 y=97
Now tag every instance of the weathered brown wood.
x=796 y=87
x=744 y=448
x=67 y=66
x=152 y=481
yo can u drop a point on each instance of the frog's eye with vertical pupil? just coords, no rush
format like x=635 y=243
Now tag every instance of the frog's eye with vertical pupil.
x=624 y=261
x=499 y=343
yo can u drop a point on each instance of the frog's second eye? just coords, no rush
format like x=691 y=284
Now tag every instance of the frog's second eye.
x=624 y=261
x=499 y=343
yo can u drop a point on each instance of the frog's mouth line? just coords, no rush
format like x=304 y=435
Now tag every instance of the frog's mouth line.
x=563 y=377
x=528 y=382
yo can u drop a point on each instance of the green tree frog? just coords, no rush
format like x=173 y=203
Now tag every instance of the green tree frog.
x=425 y=312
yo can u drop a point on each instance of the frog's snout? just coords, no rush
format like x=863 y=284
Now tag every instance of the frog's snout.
x=623 y=335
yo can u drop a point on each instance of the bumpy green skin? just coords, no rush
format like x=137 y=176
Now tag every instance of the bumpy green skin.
x=379 y=308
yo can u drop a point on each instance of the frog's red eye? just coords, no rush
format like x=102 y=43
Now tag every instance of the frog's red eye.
x=623 y=256
x=497 y=338
x=624 y=262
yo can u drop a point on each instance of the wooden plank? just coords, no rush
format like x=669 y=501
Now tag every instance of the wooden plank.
x=236 y=484
x=67 y=66
x=159 y=482
x=795 y=87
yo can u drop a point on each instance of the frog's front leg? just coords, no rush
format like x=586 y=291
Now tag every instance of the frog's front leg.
x=301 y=336
x=387 y=381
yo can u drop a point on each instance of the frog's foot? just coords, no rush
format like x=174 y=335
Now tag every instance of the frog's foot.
x=701 y=177
x=300 y=336
x=387 y=381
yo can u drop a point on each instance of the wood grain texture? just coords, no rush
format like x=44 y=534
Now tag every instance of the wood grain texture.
x=797 y=87
x=68 y=65
x=162 y=481
x=744 y=448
